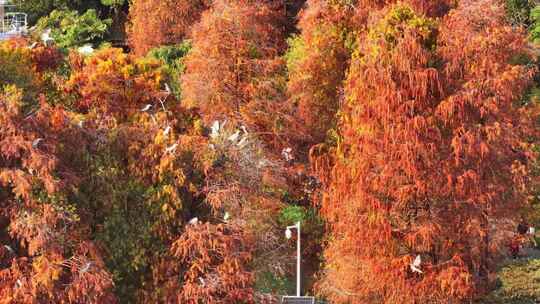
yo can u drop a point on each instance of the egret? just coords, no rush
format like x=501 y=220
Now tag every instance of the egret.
x=532 y=231
x=33 y=45
x=227 y=216
x=234 y=137
x=146 y=108
x=194 y=221
x=244 y=129
x=46 y=36
x=172 y=148
x=287 y=154
x=36 y=142
x=168 y=89
x=215 y=129
x=415 y=266
x=86 y=267
x=86 y=50
x=9 y=249
x=167 y=131
x=81 y=124
x=19 y=283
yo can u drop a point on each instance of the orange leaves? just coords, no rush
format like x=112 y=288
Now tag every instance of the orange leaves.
x=444 y=156
x=233 y=47
x=115 y=83
x=216 y=258
x=162 y=22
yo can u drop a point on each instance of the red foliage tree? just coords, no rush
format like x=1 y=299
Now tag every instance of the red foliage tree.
x=162 y=22
x=45 y=254
x=234 y=47
x=433 y=149
x=112 y=83
x=215 y=257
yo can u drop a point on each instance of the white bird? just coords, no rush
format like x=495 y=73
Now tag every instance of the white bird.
x=226 y=216
x=244 y=129
x=167 y=131
x=19 y=283
x=172 y=148
x=46 y=37
x=532 y=231
x=194 y=221
x=168 y=89
x=146 y=108
x=33 y=45
x=86 y=50
x=81 y=124
x=9 y=249
x=86 y=267
x=287 y=154
x=215 y=129
x=36 y=142
x=415 y=266
x=202 y=282
x=235 y=136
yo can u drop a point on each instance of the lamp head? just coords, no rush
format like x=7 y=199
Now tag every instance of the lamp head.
x=288 y=233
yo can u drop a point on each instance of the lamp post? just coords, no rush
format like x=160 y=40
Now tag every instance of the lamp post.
x=288 y=235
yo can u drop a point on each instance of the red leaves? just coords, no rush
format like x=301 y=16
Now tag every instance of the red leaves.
x=162 y=22
x=113 y=83
x=216 y=257
x=426 y=154
x=234 y=47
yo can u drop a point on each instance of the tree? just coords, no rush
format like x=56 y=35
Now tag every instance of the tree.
x=69 y=29
x=112 y=83
x=154 y=23
x=433 y=149
x=316 y=62
x=45 y=255
x=215 y=257
x=41 y=8
x=234 y=46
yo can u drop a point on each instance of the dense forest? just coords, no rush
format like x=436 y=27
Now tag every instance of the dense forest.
x=154 y=151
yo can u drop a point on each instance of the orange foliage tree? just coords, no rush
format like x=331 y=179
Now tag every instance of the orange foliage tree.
x=162 y=22
x=234 y=47
x=46 y=254
x=433 y=149
x=216 y=257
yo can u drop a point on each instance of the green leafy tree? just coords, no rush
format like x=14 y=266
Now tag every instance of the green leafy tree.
x=70 y=29
x=40 y=8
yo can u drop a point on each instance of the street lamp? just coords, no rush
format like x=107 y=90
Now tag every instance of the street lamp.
x=288 y=235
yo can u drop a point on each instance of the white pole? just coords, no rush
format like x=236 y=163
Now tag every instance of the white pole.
x=298 y=261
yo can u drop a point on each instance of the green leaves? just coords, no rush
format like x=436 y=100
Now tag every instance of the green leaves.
x=69 y=29
x=535 y=26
